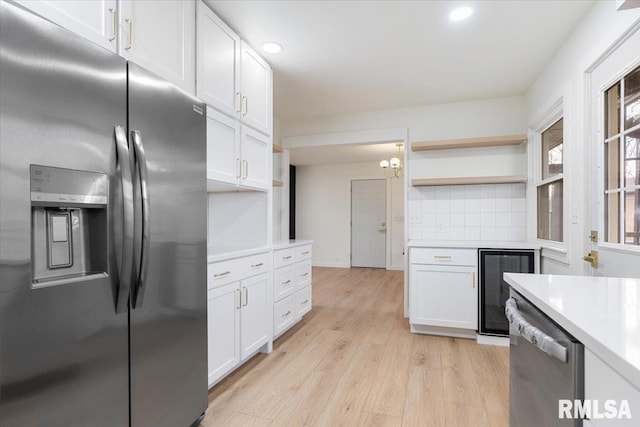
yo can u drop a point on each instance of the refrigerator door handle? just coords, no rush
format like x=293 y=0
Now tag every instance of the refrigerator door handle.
x=126 y=261
x=146 y=230
x=532 y=334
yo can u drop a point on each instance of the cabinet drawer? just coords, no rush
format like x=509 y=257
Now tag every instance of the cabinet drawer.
x=223 y=272
x=303 y=253
x=303 y=301
x=284 y=282
x=255 y=264
x=443 y=256
x=303 y=274
x=284 y=257
x=284 y=314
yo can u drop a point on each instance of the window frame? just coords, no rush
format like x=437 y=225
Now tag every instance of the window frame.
x=601 y=148
x=558 y=251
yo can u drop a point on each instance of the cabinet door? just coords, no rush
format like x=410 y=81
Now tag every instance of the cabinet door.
x=256 y=90
x=223 y=149
x=160 y=36
x=254 y=319
x=94 y=20
x=223 y=330
x=444 y=296
x=255 y=152
x=218 y=60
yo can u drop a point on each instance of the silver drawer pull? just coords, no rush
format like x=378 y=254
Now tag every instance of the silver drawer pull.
x=222 y=274
x=305 y=274
x=305 y=252
x=442 y=257
x=304 y=302
x=260 y=264
x=286 y=257
x=287 y=282
x=287 y=313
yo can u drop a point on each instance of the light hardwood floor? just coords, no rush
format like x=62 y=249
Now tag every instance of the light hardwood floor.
x=351 y=361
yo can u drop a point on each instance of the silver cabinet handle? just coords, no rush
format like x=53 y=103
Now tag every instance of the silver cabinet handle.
x=287 y=282
x=246 y=297
x=114 y=21
x=442 y=257
x=532 y=334
x=126 y=266
x=304 y=302
x=239 y=168
x=287 y=313
x=286 y=257
x=239 y=299
x=245 y=105
x=238 y=102
x=473 y=280
x=130 y=35
x=224 y=273
x=304 y=274
x=305 y=252
x=260 y=264
x=141 y=162
x=246 y=169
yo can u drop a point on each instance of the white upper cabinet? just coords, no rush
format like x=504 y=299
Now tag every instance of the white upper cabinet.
x=223 y=148
x=160 y=36
x=218 y=65
x=95 y=20
x=231 y=77
x=255 y=153
x=256 y=90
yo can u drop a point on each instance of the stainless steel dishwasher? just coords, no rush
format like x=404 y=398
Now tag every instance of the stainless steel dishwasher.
x=546 y=364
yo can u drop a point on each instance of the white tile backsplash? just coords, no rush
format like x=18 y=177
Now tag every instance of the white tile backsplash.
x=487 y=212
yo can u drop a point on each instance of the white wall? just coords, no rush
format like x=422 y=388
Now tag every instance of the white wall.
x=565 y=77
x=323 y=211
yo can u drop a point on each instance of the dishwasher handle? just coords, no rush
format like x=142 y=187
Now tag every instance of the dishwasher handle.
x=532 y=334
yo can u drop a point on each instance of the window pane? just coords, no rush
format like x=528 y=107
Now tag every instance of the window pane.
x=632 y=217
x=632 y=99
x=612 y=217
x=631 y=161
x=612 y=111
x=612 y=164
x=552 y=150
x=550 y=211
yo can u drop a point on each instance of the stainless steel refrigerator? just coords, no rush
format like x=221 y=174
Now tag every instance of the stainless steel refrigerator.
x=102 y=236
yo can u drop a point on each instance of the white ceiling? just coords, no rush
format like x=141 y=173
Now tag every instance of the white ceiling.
x=348 y=56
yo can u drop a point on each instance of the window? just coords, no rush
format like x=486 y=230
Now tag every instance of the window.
x=622 y=161
x=550 y=187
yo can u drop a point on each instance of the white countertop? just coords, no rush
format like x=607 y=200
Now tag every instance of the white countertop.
x=602 y=312
x=222 y=254
x=291 y=243
x=471 y=244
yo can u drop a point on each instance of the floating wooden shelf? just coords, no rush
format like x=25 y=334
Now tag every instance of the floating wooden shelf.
x=277 y=148
x=486 y=141
x=277 y=183
x=469 y=180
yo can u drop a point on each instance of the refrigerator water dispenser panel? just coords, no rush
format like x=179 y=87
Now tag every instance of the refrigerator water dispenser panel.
x=68 y=225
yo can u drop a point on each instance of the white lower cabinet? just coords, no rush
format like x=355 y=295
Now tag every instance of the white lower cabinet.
x=604 y=386
x=291 y=286
x=443 y=291
x=254 y=321
x=239 y=305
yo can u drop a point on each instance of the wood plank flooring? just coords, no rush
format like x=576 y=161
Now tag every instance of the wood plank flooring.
x=351 y=361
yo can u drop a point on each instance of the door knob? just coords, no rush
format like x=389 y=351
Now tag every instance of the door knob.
x=592 y=258
x=382 y=230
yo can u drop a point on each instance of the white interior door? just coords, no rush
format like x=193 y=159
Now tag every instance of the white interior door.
x=615 y=161
x=368 y=223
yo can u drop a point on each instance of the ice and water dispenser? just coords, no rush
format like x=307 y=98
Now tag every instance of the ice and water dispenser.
x=68 y=225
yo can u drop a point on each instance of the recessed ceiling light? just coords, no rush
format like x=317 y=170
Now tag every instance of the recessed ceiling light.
x=271 y=47
x=460 y=13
